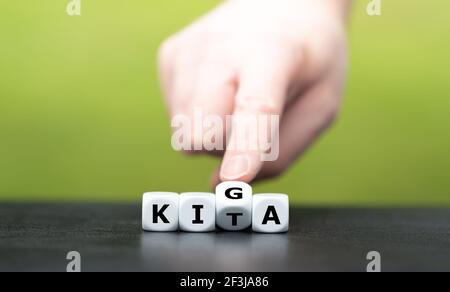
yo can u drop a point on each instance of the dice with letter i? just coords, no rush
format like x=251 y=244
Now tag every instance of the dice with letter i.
x=197 y=212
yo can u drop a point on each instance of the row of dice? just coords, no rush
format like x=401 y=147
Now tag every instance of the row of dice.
x=233 y=207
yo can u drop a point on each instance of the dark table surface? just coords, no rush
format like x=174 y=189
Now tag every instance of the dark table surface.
x=37 y=237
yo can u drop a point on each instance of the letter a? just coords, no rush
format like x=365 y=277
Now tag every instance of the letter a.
x=271 y=215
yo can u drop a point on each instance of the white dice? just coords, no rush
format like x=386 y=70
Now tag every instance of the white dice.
x=234 y=205
x=270 y=213
x=197 y=212
x=160 y=211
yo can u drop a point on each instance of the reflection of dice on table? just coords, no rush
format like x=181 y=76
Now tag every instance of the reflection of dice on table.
x=233 y=208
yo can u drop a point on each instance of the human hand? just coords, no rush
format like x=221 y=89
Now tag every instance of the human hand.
x=270 y=57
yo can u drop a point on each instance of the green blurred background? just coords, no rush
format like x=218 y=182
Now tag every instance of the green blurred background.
x=82 y=118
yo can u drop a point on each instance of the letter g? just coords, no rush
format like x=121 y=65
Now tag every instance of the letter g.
x=235 y=195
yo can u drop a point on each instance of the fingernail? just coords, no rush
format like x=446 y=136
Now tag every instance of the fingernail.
x=236 y=167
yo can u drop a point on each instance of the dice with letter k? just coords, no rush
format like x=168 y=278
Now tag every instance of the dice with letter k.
x=160 y=211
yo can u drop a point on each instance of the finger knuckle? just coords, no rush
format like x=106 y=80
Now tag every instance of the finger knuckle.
x=167 y=50
x=257 y=105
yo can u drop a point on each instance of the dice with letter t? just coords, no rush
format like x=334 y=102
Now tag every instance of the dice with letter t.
x=233 y=205
x=160 y=211
x=270 y=213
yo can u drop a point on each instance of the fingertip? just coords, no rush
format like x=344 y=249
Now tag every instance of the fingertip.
x=239 y=167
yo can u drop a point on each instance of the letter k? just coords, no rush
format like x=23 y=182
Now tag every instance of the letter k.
x=160 y=213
